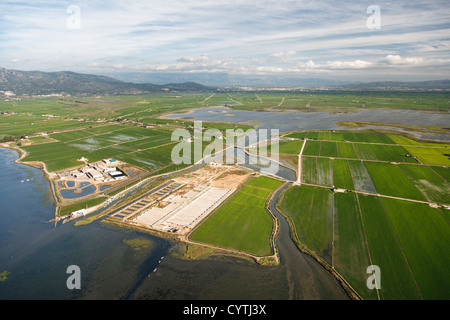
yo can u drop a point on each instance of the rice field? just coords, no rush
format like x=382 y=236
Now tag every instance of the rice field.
x=350 y=250
x=100 y=143
x=406 y=236
x=242 y=223
x=397 y=280
x=407 y=240
x=424 y=235
x=389 y=179
x=149 y=149
x=311 y=210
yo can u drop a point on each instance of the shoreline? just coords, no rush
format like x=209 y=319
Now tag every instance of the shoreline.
x=41 y=166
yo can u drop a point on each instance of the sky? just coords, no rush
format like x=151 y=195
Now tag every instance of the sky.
x=346 y=40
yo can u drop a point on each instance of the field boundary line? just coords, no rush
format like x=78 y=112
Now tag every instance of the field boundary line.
x=439 y=175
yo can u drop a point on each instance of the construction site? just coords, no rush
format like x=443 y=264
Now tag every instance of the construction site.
x=179 y=204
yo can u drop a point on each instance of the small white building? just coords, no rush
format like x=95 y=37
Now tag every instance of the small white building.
x=77 y=213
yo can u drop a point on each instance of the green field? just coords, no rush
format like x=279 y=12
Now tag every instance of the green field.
x=149 y=149
x=350 y=246
x=341 y=175
x=311 y=210
x=428 y=182
x=290 y=147
x=309 y=170
x=103 y=142
x=408 y=240
x=242 y=223
x=389 y=179
x=431 y=155
x=397 y=280
x=424 y=235
x=325 y=172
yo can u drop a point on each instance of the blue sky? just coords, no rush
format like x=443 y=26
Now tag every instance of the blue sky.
x=310 y=39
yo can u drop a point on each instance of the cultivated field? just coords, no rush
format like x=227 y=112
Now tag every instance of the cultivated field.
x=392 y=210
x=242 y=223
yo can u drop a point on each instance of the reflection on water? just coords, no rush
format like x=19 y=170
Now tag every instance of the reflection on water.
x=291 y=121
x=84 y=189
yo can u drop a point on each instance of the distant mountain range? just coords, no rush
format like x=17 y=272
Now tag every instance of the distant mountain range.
x=41 y=83
x=67 y=82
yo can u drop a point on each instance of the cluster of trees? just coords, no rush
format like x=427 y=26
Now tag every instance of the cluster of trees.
x=11 y=138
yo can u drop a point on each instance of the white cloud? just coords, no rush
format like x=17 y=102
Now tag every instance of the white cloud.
x=234 y=36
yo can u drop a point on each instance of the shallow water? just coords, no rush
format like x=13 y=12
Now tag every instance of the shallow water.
x=291 y=121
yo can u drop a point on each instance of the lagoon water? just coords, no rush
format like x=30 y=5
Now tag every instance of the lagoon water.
x=290 y=121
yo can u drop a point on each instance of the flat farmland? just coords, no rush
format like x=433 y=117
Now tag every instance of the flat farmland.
x=346 y=150
x=312 y=148
x=325 y=171
x=428 y=182
x=424 y=235
x=311 y=211
x=309 y=170
x=397 y=280
x=290 y=147
x=406 y=237
x=360 y=176
x=242 y=223
x=389 y=179
x=350 y=253
x=149 y=149
x=407 y=240
x=431 y=155
x=382 y=153
x=342 y=177
x=443 y=172
x=328 y=149
x=347 y=136
x=126 y=143
x=72 y=135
